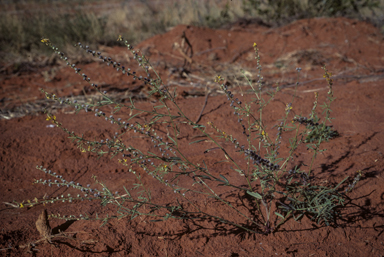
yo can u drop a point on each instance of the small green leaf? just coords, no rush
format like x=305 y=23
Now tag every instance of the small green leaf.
x=197 y=141
x=281 y=216
x=224 y=178
x=254 y=194
x=202 y=176
x=134 y=115
x=298 y=217
x=198 y=126
x=172 y=140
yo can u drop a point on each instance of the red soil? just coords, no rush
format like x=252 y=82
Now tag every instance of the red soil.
x=353 y=52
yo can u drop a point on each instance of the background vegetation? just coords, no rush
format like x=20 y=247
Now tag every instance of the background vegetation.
x=23 y=23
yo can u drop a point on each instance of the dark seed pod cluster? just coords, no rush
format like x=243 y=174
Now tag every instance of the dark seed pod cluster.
x=304 y=120
x=259 y=160
x=117 y=66
x=355 y=180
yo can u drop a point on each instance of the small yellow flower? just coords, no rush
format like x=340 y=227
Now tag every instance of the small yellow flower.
x=120 y=38
x=83 y=150
x=254 y=45
x=218 y=78
x=327 y=76
x=264 y=134
x=21 y=205
x=51 y=117
x=45 y=41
